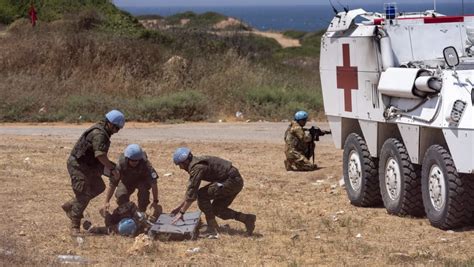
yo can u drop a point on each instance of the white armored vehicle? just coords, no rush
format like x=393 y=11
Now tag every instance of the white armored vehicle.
x=398 y=95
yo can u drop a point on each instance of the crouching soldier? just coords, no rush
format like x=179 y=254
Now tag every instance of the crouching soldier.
x=86 y=165
x=299 y=145
x=125 y=220
x=213 y=199
x=136 y=173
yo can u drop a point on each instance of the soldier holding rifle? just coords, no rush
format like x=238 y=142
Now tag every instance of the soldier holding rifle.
x=300 y=144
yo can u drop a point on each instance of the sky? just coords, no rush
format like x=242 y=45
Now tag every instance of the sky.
x=150 y=3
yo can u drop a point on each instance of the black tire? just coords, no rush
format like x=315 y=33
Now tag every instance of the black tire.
x=448 y=203
x=400 y=182
x=360 y=178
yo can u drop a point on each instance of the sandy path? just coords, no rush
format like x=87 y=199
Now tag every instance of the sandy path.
x=268 y=132
x=280 y=38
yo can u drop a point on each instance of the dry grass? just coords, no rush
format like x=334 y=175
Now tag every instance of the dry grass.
x=76 y=72
x=300 y=221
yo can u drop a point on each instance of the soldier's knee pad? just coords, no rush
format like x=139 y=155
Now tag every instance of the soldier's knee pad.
x=202 y=193
x=204 y=204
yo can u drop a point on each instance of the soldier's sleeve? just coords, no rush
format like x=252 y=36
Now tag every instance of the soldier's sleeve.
x=301 y=134
x=153 y=173
x=100 y=143
x=195 y=177
x=113 y=180
x=307 y=137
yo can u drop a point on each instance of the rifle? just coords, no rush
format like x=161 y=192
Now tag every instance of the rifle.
x=315 y=133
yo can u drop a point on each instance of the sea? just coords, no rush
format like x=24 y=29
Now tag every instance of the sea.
x=303 y=17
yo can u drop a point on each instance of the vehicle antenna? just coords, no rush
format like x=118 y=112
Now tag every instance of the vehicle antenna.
x=346 y=8
x=333 y=8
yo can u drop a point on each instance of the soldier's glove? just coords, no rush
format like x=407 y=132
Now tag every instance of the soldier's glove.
x=313 y=131
x=156 y=211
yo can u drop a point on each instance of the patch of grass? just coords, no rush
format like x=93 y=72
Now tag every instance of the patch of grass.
x=17 y=109
x=310 y=46
x=157 y=37
x=204 y=20
x=294 y=34
x=270 y=102
x=86 y=107
x=207 y=19
x=151 y=16
x=458 y=263
x=7 y=12
x=176 y=18
x=186 y=105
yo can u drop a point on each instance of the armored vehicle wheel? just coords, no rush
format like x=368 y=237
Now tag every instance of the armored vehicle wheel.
x=360 y=173
x=445 y=199
x=400 y=183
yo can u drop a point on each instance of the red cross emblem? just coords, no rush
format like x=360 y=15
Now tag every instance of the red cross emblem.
x=347 y=77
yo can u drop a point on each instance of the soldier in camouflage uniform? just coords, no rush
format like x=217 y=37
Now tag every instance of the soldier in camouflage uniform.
x=225 y=183
x=298 y=144
x=87 y=163
x=128 y=213
x=136 y=172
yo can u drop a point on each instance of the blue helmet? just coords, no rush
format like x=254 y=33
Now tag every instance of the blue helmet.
x=181 y=155
x=133 y=152
x=127 y=227
x=301 y=115
x=116 y=118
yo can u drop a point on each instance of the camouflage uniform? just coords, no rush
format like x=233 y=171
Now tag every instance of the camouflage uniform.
x=225 y=183
x=86 y=170
x=140 y=177
x=124 y=211
x=297 y=148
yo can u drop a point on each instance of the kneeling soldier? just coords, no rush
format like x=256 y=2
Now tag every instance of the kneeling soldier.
x=136 y=172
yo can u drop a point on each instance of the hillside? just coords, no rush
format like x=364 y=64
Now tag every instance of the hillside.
x=86 y=57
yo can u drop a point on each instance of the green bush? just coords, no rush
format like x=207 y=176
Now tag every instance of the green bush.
x=279 y=102
x=207 y=19
x=145 y=17
x=176 y=18
x=312 y=39
x=87 y=107
x=18 y=109
x=295 y=34
x=7 y=12
x=156 y=37
x=195 y=20
x=186 y=105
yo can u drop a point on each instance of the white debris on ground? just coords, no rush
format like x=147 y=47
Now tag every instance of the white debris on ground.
x=193 y=250
x=341 y=182
x=143 y=244
x=168 y=174
x=239 y=115
x=75 y=259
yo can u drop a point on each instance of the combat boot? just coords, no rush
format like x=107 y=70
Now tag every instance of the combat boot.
x=211 y=230
x=287 y=165
x=75 y=227
x=248 y=220
x=67 y=207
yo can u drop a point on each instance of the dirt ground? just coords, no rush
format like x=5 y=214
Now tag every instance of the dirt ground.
x=302 y=218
